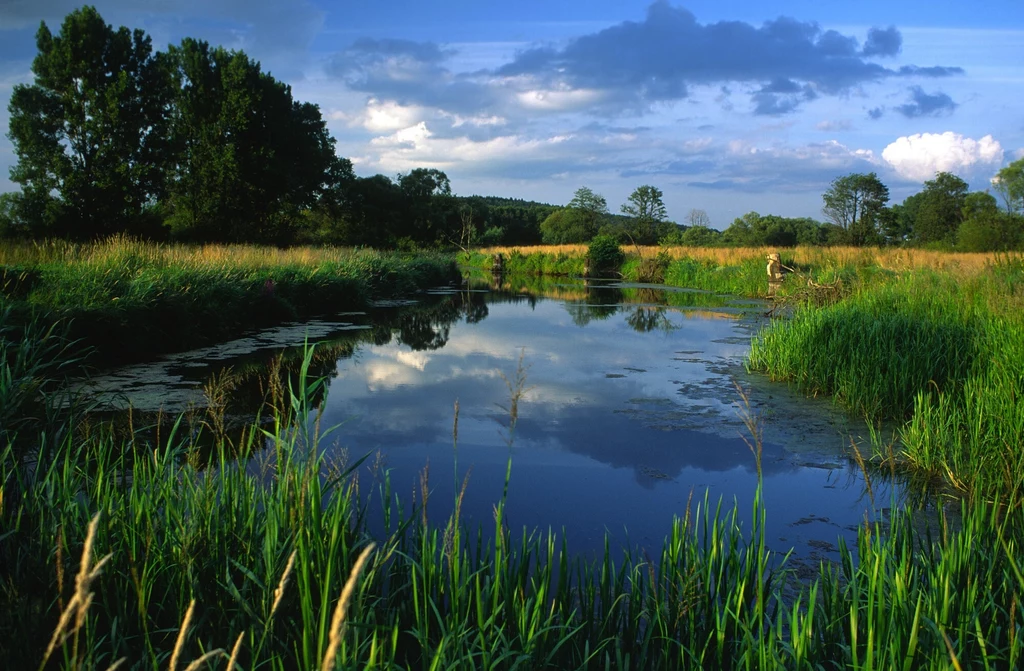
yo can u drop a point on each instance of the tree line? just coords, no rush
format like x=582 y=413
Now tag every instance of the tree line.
x=197 y=143
x=945 y=214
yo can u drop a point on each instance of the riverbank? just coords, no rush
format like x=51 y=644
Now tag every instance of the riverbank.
x=735 y=270
x=251 y=562
x=126 y=300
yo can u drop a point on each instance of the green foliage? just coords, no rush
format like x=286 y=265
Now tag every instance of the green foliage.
x=700 y=236
x=604 y=255
x=129 y=300
x=9 y=219
x=744 y=279
x=990 y=231
x=567 y=226
x=940 y=208
x=1009 y=182
x=90 y=131
x=247 y=158
x=591 y=205
x=540 y=263
x=912 y=343
x=755 y=230
x=854 y=203
x=647 y=210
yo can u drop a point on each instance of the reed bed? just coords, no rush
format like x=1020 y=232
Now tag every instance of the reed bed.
x=943 y=354
x=124 y=555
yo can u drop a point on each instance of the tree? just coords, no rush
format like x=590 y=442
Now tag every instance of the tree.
x=854 y=202
x=698 y=218
x=940 y=208
x=593 y=206
x=1009 y=182
x=374 y=213
x=647 y=210
x=566 y=227
x=247 y=157
x=700 y=236
x=8 y=214
x=429 y=204
x=89 y=132
x=986 y=228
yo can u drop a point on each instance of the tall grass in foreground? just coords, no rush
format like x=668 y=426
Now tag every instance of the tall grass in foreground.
x=162 y=566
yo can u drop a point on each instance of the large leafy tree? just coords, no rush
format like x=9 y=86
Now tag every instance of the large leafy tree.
x=566 y=227
x=647 y=210
x=854 y=202
x=940 y=208
x=430 y=211
x=248 y=159
x=89 y=132
x=1009 y=183
x=592 y=206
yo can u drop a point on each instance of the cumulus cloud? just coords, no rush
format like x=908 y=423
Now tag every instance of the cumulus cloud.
x=918 y=157
x=419 y=146
x=661 y=57
x=883 y=42
x=926 y=104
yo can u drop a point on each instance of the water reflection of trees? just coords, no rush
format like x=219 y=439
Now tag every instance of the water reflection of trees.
x=599 y=303
x=644 y=319
x=245 y=391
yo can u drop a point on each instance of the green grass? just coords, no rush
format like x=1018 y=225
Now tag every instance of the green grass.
x=256 y=560
x=261 y=555
x=941 y=354
x=129 y=300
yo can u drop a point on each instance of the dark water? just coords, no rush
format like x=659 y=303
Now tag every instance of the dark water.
x=630 y=402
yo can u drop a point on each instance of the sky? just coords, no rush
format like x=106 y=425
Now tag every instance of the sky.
x=725 y=107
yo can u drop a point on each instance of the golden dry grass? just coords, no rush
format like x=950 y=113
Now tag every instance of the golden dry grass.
x=891 y=258
x=158 y=254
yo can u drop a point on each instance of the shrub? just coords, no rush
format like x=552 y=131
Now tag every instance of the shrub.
x=604 y=255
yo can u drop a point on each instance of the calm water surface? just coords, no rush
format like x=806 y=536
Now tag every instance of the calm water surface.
x=630 y=403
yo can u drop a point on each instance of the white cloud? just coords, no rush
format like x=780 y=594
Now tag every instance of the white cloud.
x=918 y=157
x=416 y=146
x=387 y=116
x=559 y=100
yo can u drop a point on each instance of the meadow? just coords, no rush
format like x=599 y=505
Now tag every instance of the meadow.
x=116 y=552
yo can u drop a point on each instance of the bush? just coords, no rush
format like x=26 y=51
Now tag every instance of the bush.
x=604 y=255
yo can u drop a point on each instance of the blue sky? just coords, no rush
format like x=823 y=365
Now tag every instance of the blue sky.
x=749 y=106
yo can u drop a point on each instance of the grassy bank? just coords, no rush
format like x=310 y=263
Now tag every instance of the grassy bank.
x=740 y=270
x=271 y=566
x=129 y=300
x=942 y=353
